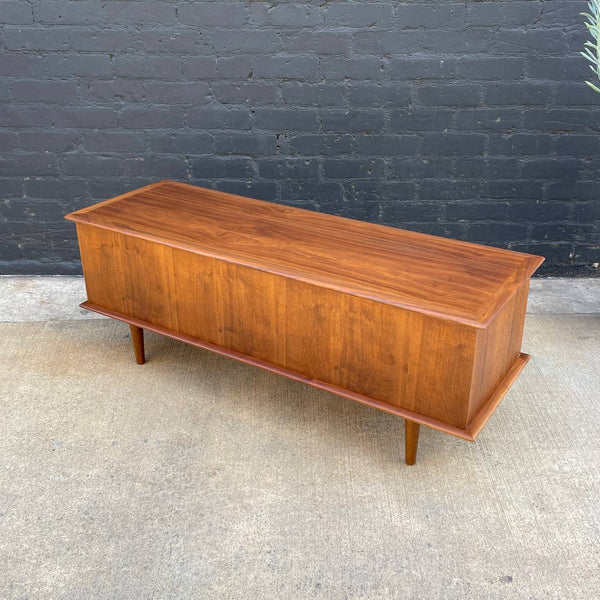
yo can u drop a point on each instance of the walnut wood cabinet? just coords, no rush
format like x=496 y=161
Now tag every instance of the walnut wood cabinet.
x=425 y=328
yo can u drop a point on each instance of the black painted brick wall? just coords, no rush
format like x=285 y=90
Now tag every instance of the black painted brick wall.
x=462 y=119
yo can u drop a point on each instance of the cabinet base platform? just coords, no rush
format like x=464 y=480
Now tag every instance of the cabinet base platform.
x=469 y=434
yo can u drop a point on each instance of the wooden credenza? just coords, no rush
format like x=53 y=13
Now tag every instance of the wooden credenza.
x=423 y=327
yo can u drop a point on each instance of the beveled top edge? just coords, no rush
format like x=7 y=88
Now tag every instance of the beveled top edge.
x=529 y=262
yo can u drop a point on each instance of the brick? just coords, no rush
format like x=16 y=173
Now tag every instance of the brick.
x=365 y=95
x=84 y=165
x=444 y=16
x=11 y=188
x=362 y=68
x=28 y=165
x=364 y=14
x=453 y=143
x=23 y=115
x=181 y=143
x=16 y=64
x=309 y=194
x=163 y=167
x=107 y=40
x=489 y=119
x=440 y=189
x=450 y=95
x=209 y=14
x=551 y=231
x=449 y=230
x=550 y=168
x=575 y=94
x=14 y=12
x=290 y=15
x=458 y=41
x=85 y=117
x=228 y=167
x=140 y=13
x=247 y=40
x=491 y=14
x=489 y=167
x=218 y=118
x=119 y=90
x=559 y=120
x=572 y=190
x=8 y=140
x=524 y=41
x=55 y=188
x=352 y=168
x=48 y=141
x=483 y=68
x=319 y=42
x=81 y=65
x=419 y=119
x=245 y=93
x=169 y=41
x=250 y=144
x=577 y=145
x=367 y=121
x=380 y=42
x=263 y=190
x=304 y=68
x=418 y=68
x=288 y=168
x=418 y=168
x=520 y=144
x=148 y=67
x=478 y=211
x=517 y=93
x=499 y=232
x=573 y=68
x=587 y=254
x=560 y=12
x=388 y=194
x=196 y=92
x=31 y=208
x=63 y=92
x=301 y=94
x=151 y=118
x=114 y=141
x=387 y=145
x=80 y=12
x=514 y=189
x=31 y=38
x=326 y=145
x=534 y=211
x=204 y=67
x=274 y=119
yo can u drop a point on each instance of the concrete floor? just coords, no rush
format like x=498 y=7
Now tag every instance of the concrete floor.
x=194 y=476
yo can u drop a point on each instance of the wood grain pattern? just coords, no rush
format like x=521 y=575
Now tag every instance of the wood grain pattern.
x=469 y=434
x=497 y=347
x=401 y=357
x=448 y=278
x=422 y=327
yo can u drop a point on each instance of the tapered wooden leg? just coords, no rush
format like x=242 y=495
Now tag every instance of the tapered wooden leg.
x=137 y=337
x=411 y=435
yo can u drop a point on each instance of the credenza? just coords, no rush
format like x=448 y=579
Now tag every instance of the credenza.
x=423 y=327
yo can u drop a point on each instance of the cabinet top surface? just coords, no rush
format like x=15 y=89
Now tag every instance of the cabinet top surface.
x=449 y=278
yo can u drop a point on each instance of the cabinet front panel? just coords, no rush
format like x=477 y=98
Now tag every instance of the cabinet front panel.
x=401 y=357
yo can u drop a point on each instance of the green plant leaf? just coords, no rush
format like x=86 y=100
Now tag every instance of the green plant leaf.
x=596 y=89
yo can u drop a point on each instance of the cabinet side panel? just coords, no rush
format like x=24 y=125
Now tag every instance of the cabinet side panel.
x=401 y=357
x=497 y=348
